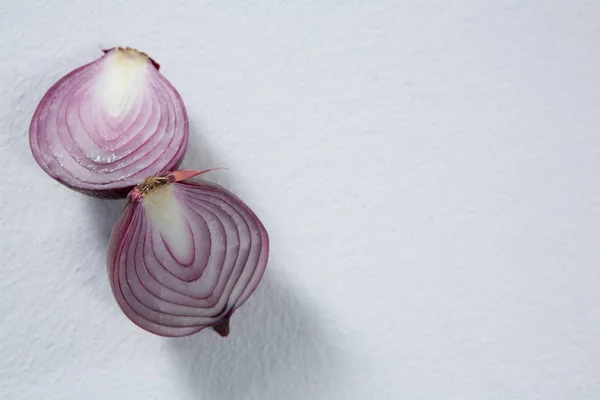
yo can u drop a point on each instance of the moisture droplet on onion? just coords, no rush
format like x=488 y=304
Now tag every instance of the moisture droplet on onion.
x=107 y=125
x=185 y=255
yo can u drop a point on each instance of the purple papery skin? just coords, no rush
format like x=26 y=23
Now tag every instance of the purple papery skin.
x=68 y=129
x=172 y=299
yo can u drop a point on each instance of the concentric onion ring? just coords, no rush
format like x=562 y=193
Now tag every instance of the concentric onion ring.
x=107 y=125
x=185 y=255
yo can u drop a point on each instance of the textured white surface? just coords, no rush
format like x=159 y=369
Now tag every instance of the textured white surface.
x=427 y=170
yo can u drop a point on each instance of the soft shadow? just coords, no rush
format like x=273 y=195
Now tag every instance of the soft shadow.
x=102 y=216
x=105 y=214
x=200 y=155
x=277 y=349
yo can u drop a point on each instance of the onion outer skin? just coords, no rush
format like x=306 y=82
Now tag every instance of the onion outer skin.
x=123 y=241
x=159 y=150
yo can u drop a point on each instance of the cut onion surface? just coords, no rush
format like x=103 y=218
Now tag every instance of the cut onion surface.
x=107 y=125
x=185 y=255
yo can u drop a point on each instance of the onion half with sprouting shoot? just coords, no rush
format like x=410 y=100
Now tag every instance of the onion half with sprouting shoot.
x=185 y=255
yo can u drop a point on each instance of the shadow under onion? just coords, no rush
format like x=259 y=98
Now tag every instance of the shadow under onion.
x=277 y=349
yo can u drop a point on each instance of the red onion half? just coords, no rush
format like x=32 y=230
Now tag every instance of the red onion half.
x=107 y=125
x=185 y=255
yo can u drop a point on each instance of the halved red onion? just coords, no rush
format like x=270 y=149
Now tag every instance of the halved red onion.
x=185 y=255
x=107 y=125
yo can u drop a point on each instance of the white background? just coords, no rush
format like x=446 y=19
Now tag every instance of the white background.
x=428 y=172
